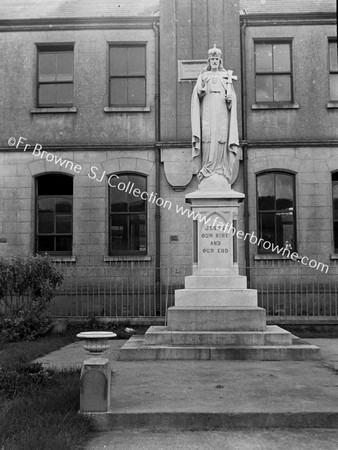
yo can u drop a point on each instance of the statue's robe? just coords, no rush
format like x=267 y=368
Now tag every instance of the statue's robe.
x=214 y=126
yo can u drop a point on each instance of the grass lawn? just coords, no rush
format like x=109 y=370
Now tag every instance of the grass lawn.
x=39 y=408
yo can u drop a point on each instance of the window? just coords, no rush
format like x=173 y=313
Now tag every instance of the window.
x=273 y=72
x=55 y=76
x=128 y=215
x=276 y=209
x=335 y=209
x=333 y=71
x=127 y=75
x=54 y=212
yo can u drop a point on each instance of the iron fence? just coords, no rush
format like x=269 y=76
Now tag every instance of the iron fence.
x=140 y=290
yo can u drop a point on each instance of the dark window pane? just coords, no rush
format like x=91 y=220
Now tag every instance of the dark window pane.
x=137 y=232
x=136 y=61
x=333 y=56
x=284 y=192
x=55 y=185
x=136 y=91
x=263 y=57
x=47 y=67
x=119 y=91
x=46 y=223
x=45 y=244
x=63 y=224
x=64 y=94
x=335 y=176
x=264 y=90
x=63 y=243
x=64 y=66
x=281 y=58
x=266 y=192
x=282 y=88
x=336 y=235
x=63 y=206
x=47 y=94
x=267 y=226
x=335 y=208
x=118 y=61
x=285 y=230
x=334 y=87
x=119 y=233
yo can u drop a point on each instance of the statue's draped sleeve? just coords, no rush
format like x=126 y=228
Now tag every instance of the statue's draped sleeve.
x=198 y=92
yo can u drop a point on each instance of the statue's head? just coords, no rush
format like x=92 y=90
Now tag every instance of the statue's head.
x=215 y=59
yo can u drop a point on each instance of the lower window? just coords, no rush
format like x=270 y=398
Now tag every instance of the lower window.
x=54 y=214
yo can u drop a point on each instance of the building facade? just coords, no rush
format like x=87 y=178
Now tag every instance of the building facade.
x=95 y=145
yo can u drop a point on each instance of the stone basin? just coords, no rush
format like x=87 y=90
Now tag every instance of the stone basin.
x=96 y=342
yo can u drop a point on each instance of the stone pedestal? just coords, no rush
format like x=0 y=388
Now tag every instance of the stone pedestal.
x=95 y=384
x=216 y=316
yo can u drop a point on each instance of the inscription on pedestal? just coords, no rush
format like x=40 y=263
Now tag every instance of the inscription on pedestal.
x=215 y=244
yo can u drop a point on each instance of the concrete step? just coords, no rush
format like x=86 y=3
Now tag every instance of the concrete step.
x=219 y=318
x=207 y=420
x=216 y=297
x=136 y=350
x=215 y=282
x=273 y=335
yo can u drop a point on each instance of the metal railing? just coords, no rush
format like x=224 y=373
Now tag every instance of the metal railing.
x=131 y=290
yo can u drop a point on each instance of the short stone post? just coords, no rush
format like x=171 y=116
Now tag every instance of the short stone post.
x=95 y=380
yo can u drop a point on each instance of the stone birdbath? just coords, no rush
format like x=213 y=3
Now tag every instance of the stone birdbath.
x=96 y=342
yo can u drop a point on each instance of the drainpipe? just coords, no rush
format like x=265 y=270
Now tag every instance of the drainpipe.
x=245 y=147
x=157 y=167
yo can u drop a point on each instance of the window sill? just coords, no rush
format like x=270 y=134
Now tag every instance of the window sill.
x=257 y=106
x=334 y=256
x=332 y=105
x=270 y=256
x=126 y=109
x=64 y=259
x=126 y=258
x=73 y=109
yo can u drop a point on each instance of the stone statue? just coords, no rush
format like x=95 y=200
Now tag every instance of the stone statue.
x=214 y=119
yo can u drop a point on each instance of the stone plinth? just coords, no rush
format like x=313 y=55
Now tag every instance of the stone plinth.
x=95 y=385
x=216 y=316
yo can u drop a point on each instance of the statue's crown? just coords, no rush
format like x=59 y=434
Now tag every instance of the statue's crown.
x=214 y=52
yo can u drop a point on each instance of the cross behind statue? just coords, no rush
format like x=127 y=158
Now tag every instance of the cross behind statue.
x=229 y=78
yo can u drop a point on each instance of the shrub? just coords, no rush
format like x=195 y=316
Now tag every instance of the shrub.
x=26 y=288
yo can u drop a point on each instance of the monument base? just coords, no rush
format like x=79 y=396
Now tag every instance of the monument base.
x=216 y=316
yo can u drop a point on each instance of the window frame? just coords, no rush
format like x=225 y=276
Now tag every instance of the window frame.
x=333 y=210
x=127 y=45
x=332 y=72
x=40 y=197
x=111 y=252
x=274 y=41
x=53 y=48
x=263 y=251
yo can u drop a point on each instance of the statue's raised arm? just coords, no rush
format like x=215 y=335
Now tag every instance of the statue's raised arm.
x=214 y=119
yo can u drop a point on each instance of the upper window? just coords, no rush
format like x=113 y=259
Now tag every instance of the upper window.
x=55 y=76
x=335 y=209
x=276 y=209
x=273 y=72
x=127 y=75
x=333 y=71
x=54 y=212
x=127 y=215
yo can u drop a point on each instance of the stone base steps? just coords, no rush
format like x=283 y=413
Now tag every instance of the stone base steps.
x=136 y=350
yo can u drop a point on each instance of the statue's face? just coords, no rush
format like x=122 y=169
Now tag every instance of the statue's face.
x=214 y=63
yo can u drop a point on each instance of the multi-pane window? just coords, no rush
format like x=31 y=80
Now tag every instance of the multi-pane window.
x=276 y=209
x=55 y=76
x=273 y=72
x=54 y=212
x=127 y=75
x=127 y=215
x=335 y=209
x=333 y=71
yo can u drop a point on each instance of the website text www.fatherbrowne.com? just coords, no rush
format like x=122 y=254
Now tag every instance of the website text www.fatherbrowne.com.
x=153 y=198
